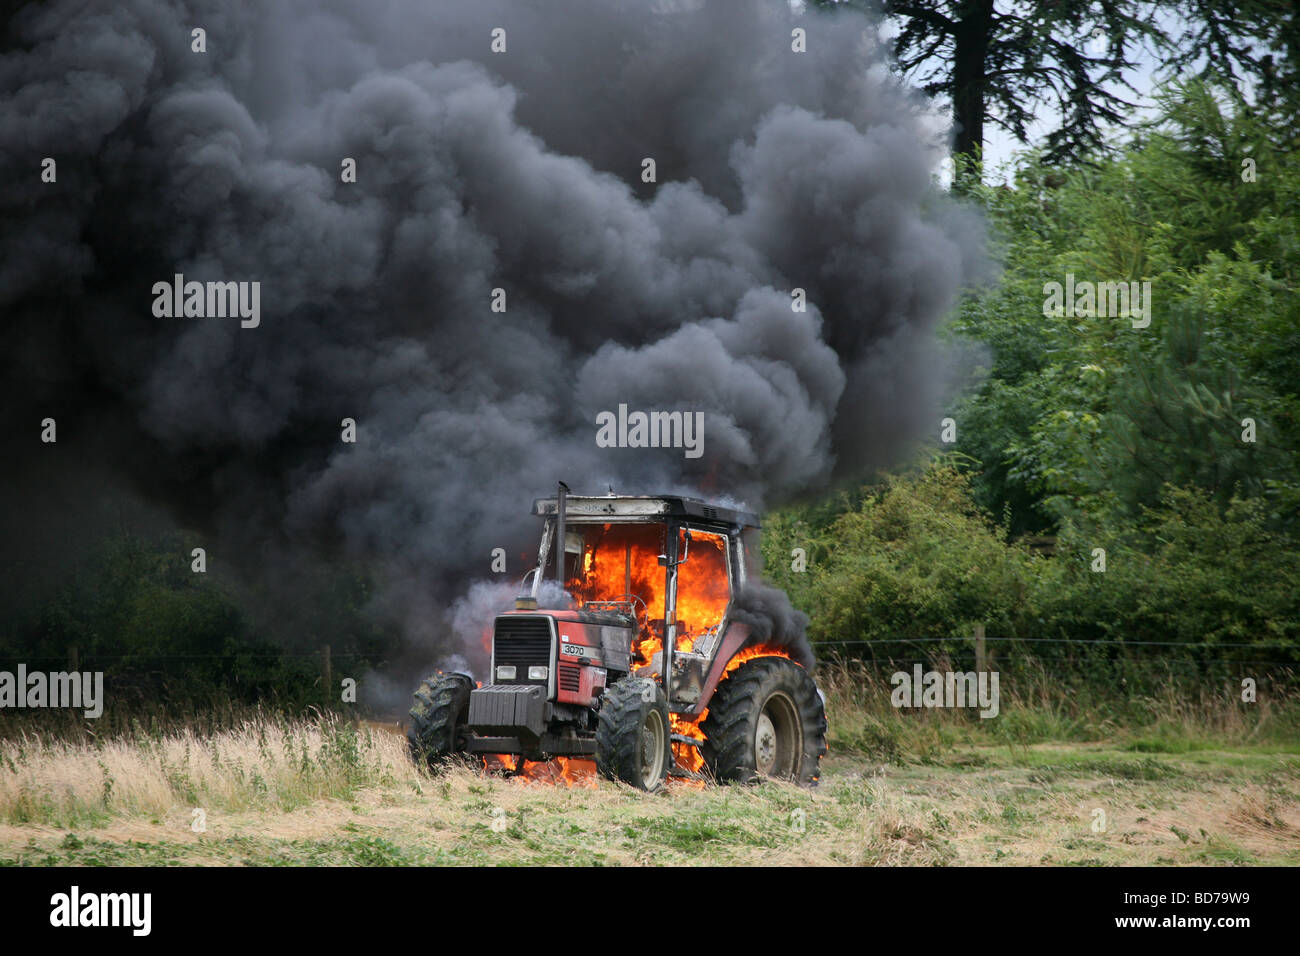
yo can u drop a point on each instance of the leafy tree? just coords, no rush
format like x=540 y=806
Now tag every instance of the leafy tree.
x=1179 y=420
x=1000 y=66
x=1004 y=65
x=1187 y=570
x=135 y=610
x=1236 y=40
x=1086 y=415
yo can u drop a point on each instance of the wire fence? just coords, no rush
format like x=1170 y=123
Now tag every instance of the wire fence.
x=1060 y=640
x=1100 y=656
x=1089 y=660
x=873 y=645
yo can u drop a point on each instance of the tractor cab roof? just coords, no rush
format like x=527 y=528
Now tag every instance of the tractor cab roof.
x=614 y=508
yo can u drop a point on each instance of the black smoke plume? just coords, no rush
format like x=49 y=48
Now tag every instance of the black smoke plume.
x=476 y=171
x=771 y=619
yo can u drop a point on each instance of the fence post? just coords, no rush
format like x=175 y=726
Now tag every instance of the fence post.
x=981 y=657
x=328 y=681
x=74 y=659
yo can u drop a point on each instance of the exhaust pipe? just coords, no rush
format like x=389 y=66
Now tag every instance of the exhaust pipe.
x=560 y=505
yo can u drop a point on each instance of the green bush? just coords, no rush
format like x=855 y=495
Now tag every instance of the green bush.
x=913 y=558
x=171 y=641
x=1189 y=572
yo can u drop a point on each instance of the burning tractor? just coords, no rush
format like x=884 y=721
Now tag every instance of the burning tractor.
x=651 y=673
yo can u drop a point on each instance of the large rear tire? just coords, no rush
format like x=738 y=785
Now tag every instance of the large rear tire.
x=438 y=719
x=633 y=734
x=765 y=721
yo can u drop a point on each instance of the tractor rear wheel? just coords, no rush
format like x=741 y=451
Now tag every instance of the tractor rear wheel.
x=766 y=720
x=632 y=734
x=438 y=719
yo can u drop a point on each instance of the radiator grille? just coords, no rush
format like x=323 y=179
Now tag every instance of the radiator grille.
x=523 y=642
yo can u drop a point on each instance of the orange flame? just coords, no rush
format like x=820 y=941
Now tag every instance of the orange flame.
x=624 y=559
x=570 y=771
x=749 y=653
x=687 y=756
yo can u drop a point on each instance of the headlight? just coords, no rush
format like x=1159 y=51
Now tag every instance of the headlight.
x=506 y=672
x=538 y=673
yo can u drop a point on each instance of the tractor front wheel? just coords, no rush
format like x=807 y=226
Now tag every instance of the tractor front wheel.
x=766 y=720
x=438 y=719
x=632 y=734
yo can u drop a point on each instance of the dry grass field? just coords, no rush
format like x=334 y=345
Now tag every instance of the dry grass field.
x=333 y=792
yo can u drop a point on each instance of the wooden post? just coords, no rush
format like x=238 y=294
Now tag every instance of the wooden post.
x=329 y=680
x=981 y=658
x=74 y=659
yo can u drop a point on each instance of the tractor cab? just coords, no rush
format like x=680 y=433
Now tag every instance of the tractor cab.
x=670 y=564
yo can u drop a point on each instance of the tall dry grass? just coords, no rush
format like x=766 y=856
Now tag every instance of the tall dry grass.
x=1164 y=712
x=265 y=763
x=273 y=762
